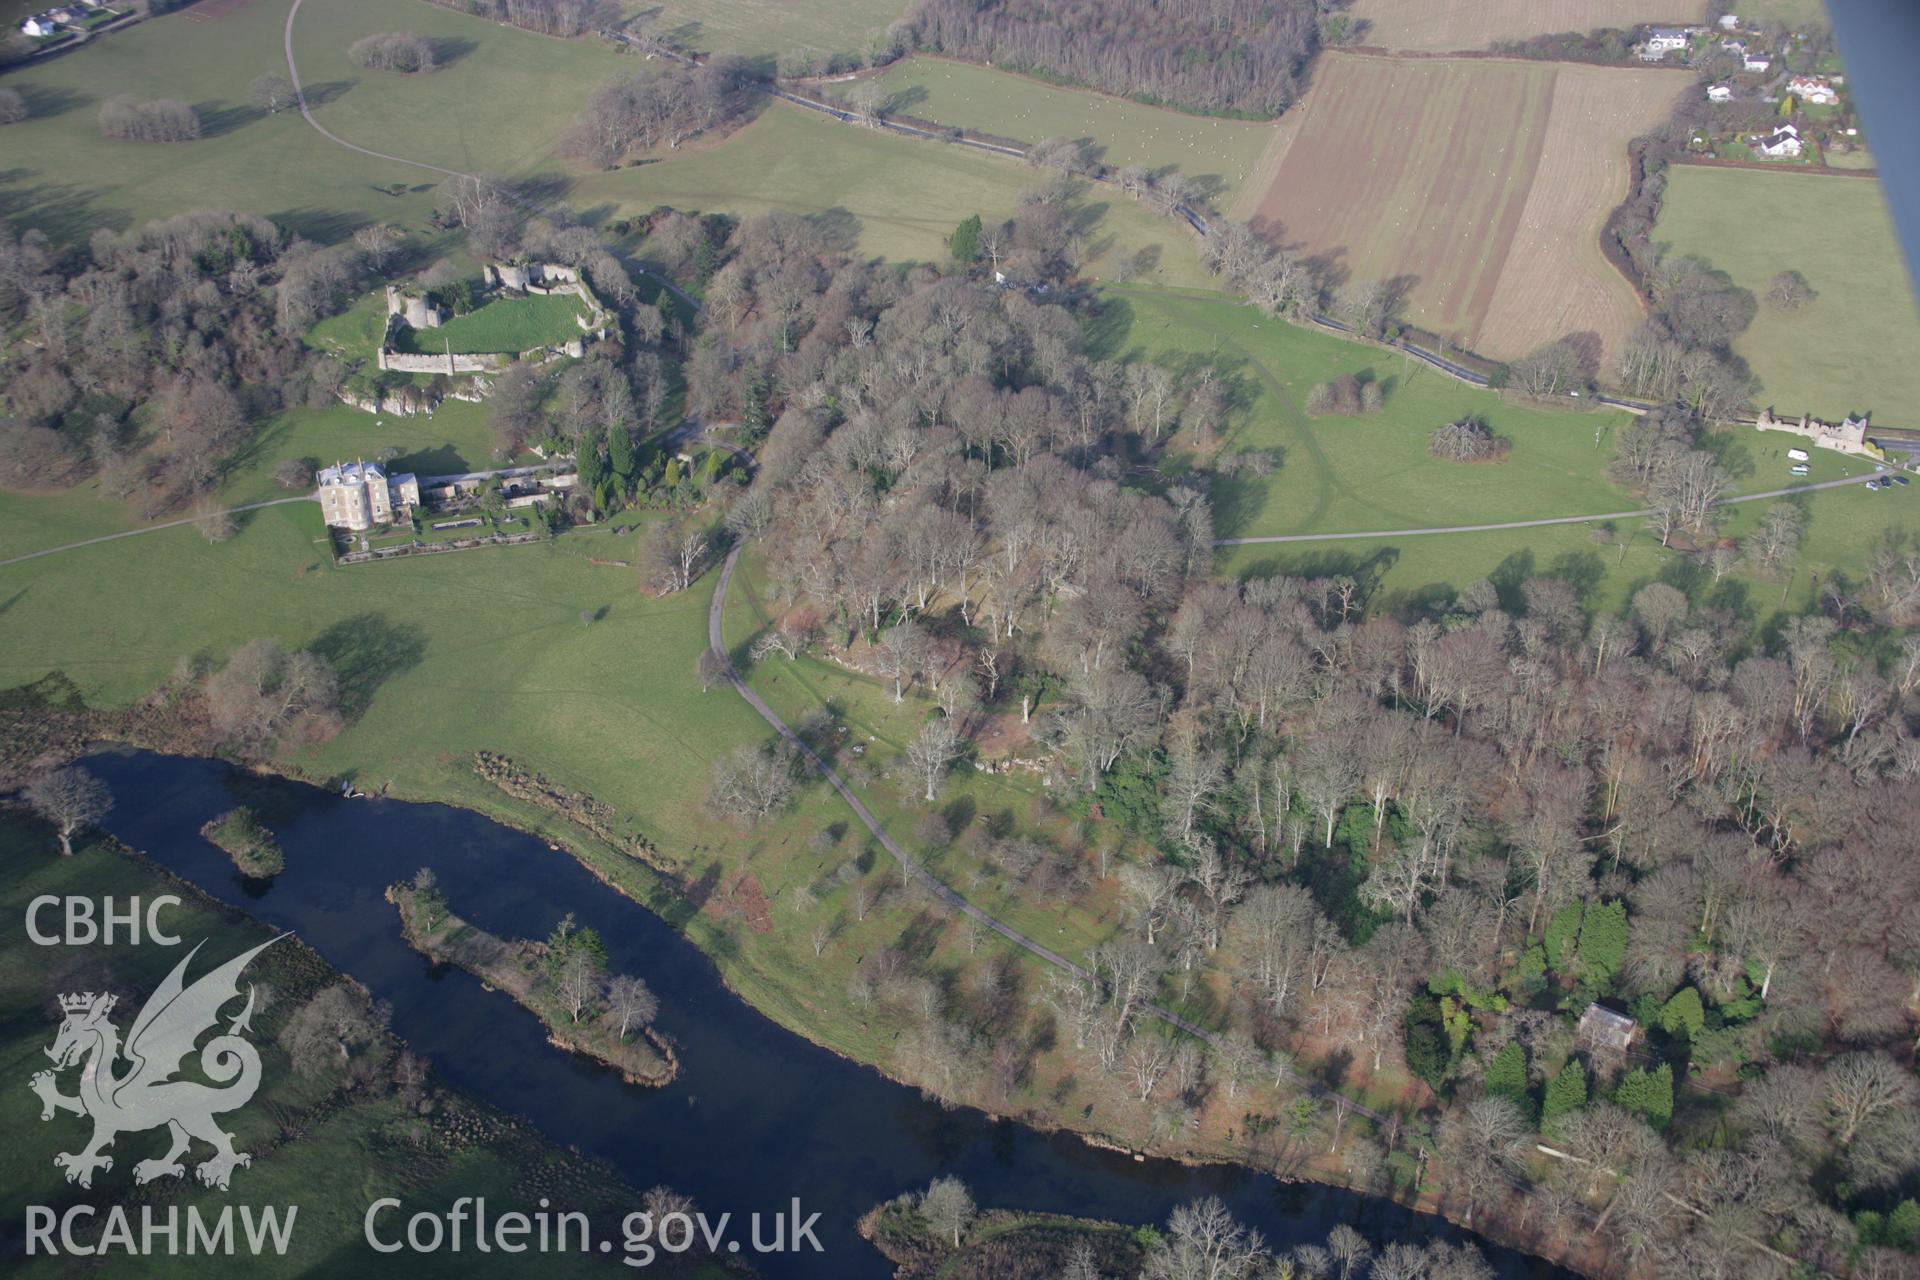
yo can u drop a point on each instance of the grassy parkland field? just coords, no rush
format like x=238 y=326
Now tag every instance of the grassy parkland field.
x=892 y=197
x=1351 y=474
x=1388 y=173
x=1852 y=348
x=1606 y=562
x=498 y=103
x=1223 y=156
x=1344 y=474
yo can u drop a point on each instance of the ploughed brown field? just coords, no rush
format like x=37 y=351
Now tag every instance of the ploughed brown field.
x=1445 y=26
x=1477 y=186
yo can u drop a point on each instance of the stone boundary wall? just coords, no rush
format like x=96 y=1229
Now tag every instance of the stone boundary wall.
x=437 y=548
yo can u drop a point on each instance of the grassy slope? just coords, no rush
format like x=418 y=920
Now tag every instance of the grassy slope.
x=1341 y=475
x=340 y=1165
x=63 y=177
x=498 y=105
x=772 y=27
x=1222 y=154
x=1353 y=474
x=900 y=197
x=1842 y=528
x=482 y=649
x=1852 y=347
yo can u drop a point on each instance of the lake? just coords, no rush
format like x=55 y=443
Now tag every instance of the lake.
x=757 y=1116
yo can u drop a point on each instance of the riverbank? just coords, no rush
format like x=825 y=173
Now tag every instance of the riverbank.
x=1001 y=1245
x=796 y=999
x=516 y=968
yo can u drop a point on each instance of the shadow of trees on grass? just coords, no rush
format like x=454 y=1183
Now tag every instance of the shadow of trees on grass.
x=366 y=651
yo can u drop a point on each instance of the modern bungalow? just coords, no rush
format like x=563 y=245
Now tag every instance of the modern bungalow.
x=1757 y=62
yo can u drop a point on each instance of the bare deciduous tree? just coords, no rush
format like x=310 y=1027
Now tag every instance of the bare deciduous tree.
x=70 y=798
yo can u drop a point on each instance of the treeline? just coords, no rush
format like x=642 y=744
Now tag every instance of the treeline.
x=548 y=17
x=663 y=104
x=162 y=120
x=1428 y=840
x=1235 y=57
x=155 y=354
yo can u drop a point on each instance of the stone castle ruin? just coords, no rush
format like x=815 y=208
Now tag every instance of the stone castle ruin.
x=410 y=309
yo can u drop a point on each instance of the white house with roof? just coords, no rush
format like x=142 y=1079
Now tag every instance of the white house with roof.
x=1817 y=90
x=359 y=495
x=39 y=25
x=1782 y=144
x=1761 y=61
x=1719 y=93
x=1667 y=39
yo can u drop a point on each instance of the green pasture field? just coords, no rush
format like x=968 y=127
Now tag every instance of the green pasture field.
x=1794 y=13
x=887 y=196
x=1345 y=474
x=1221 y=155
x=1405 y=576
x=61 y=176
x=1852 y=348
x=498 y=104
x=344 y=1158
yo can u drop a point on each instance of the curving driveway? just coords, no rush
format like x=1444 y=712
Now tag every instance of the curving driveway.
x=306 y=112
x=152 y=528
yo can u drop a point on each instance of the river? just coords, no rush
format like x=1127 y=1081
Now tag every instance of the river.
x=758 y=1115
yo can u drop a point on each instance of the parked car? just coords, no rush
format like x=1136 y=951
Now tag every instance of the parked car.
x=1874 y=485
x=1797 y=471
x=1902 y=481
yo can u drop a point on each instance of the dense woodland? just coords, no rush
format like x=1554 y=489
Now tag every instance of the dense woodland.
x=1419 y=843
x=661 y=105
x=1237 y=57
x=148 y=357
x=548 y=17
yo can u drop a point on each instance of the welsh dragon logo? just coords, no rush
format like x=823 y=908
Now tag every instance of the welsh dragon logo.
x=131 y=1087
